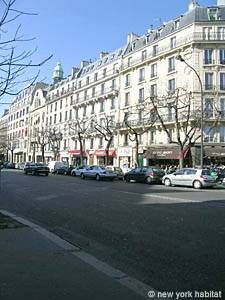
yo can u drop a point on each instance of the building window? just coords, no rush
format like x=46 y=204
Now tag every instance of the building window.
x=141 y=74
x=222 y=56
x=102 y=106
x=54 y=118
x=76 y=113
x=126 y=139
x=91 y=143
x=79 y=84
x=87 y=80
x=78 y=96
x=93 y=92
x=153 y=90
x=100 y=142
x=171 y=86
x=70 y=116
x=60 y=117
x=51 y=108
x=208 y=56
x=171 y=112
x=60 y=104
x=140 y=115
x=171 y=64
x=222 y=107
x=127 y=81
x=92 y=109
x=153 y=70
x=127 y=99
x=173 y=43
x=208 y=81
x=222 y=81
x=212 y=13
x=113 y=86
x=66 y=115
x=155 y=50
x=143 y=55
x=102 y=88
x=129 y=61
x=221 y=33
x=113 y=103
x=207 y=33
x=85 y=95
x=209 y=133
x=141 y=95
x=95 y=76
x=84 y=111
x=222 y=134
x=209 y=107
x=104 y=72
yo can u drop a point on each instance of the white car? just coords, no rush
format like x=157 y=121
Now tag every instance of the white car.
x=196 y=178
x=79 y=170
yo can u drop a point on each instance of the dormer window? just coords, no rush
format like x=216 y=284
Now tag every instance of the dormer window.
x=213 y=13
x=176 y=24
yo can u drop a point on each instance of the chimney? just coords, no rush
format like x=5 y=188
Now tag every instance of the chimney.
x=74 y=71
x=84 y=63
x=131 y=37
x=103 y=54
x=192 y=4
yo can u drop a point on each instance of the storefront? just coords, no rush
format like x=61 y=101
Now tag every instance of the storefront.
x=162 y=155
x=125 y=157
x=75 y=157
x=101 y=159
x=214 y=155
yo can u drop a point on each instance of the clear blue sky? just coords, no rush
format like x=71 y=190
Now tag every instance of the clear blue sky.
x=75 y=30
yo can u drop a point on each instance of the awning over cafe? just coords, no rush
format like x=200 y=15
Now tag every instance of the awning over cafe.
x=216 y=151
x=164 y=152
x=102 y=152
x=75 y=152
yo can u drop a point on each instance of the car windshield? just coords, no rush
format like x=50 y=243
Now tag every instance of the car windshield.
x=118 y=169
x=205 y=172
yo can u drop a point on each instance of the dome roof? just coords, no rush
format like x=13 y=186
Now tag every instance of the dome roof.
x=58 y=72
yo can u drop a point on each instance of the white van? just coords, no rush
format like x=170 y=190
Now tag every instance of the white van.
x=53 y=165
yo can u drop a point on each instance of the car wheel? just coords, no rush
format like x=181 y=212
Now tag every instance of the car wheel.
x=98 y=178
x=127 y=179
x=73 y=174
x=25 y=172
x=46 y=174
x=167 y=182
x=33 y=173
x=197 y=184
x=82 y=176
x=65 y=173
x=148 y=180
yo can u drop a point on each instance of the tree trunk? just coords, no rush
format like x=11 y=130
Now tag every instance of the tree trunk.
x=107 y=150
x=12 y=155
x=181 y=160
x=137 y=150
x=43 y=153
x=81 y=149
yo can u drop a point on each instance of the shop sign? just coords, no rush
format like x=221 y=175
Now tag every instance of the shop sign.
x=124 y=151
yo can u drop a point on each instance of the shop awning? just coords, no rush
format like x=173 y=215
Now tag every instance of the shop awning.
x=75 y=152
x=102 y=152
x=164 y=152
x=215 y=151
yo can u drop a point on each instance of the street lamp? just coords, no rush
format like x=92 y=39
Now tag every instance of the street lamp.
x=180 y=58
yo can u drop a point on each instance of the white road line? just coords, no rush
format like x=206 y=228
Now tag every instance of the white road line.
x=131 y=283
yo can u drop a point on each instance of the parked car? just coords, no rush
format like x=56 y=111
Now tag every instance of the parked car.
x=20 y=166
x=36 y=169
x=9 y=165
x=64 y=170
x=145 y=174
x=53 y=165
x=117 y=170
x=98 y=173
x=78 y=171
x=196 y=178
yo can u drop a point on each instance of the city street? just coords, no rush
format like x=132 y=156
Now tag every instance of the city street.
x=172 y=239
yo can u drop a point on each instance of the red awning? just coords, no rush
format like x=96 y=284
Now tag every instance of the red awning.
x=102 y=152
x=185 y=153
x=75 y=152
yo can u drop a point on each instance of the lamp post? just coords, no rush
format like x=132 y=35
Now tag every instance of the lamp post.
x=180 y=58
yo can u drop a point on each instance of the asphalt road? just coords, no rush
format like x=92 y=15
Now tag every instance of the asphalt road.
x=170 y=238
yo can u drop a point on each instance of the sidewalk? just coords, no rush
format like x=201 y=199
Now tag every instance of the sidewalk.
x=32 y=267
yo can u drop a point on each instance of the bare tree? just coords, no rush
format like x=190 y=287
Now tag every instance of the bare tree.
x=106 y=127
x=14 y=62
x=137 y=122
x=78 y=129
x=177 y=112
x=54 y=136
x=43 y=138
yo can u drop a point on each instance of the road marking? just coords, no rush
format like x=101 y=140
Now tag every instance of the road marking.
x=182 y=200
x=131 y=283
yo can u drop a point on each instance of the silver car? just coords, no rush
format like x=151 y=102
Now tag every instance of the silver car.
x=196 y=178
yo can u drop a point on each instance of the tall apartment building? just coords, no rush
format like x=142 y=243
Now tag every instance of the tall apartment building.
x=3 y=135
x=118 y=85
